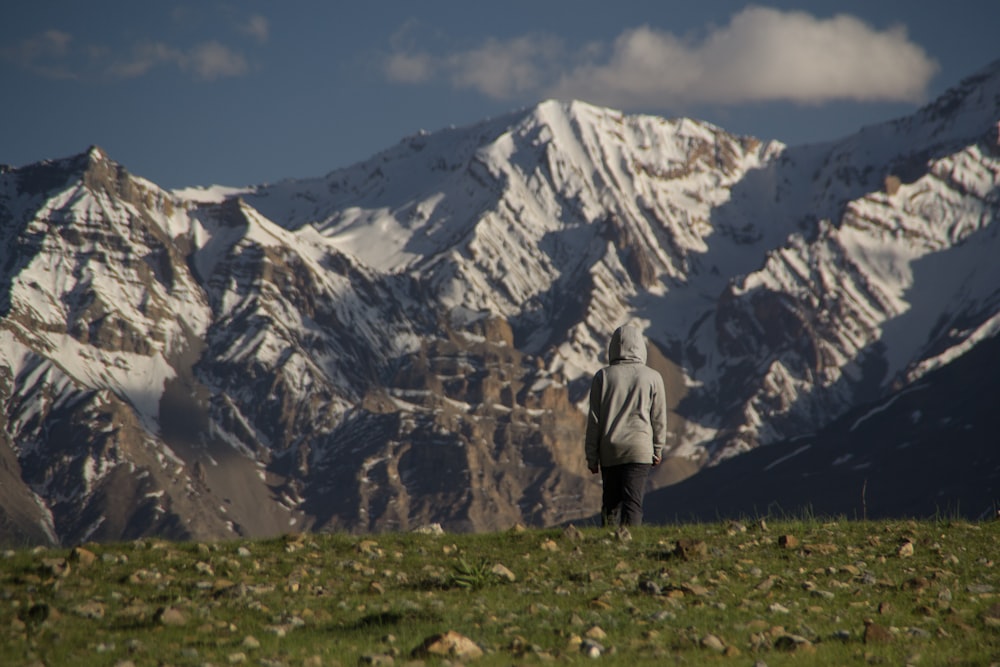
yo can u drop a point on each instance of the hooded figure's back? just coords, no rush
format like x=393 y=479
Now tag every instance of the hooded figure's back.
x=627 y=420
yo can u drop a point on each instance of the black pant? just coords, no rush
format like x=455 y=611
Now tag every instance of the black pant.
x=624 y=486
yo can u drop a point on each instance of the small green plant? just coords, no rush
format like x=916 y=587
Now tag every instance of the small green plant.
x=472 y=576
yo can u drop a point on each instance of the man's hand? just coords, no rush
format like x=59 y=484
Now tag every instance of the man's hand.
x=595 y=469
x=656 y=460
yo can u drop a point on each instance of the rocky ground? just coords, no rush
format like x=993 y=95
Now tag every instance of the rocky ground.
x=754 y=593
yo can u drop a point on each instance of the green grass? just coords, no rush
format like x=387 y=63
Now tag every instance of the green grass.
x=344 y=599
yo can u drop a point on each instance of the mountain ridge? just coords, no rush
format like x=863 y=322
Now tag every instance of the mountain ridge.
x=409 y=340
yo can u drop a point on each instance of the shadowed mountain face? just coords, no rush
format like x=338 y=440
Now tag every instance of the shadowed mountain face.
x=410 y=340
x=927 y=450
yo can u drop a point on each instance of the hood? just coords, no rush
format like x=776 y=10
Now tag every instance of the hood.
x=627 y=344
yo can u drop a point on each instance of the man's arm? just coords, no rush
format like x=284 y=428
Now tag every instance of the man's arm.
x=593 y=439
x=658 y=419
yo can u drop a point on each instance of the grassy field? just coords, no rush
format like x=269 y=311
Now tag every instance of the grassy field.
x=784 y=592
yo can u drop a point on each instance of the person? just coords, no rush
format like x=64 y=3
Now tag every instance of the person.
x=626 y=426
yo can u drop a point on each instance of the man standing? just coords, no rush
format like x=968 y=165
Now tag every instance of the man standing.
x=626 y=426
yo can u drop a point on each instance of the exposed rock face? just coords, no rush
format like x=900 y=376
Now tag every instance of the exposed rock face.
x=409 y=341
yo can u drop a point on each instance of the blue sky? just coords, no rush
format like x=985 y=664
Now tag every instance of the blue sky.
x=243 y=92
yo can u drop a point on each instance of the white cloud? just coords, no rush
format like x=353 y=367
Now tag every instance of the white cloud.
x=55 y=54
x=208 y=61
x=212 y=60
x=257 y=27
x=44 y=54
x=761 y=55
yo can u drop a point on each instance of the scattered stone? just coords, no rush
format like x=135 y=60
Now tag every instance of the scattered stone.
x=650 y=587
x=450 y=645
x=793 y=643
x=788 y=541
x=767 y=584
x=735 y=528
x=778 y=608
x=250 y=643
x=572 y=533
x=824 y=549
x=689 y=549
x=595 y=632
x=591 y=648
x=55 y=567
x=712 y=643
x=82 y=557
x=502 y=572
x=430 y=529
x=171 y=616
x=905 y=550
x=243 y=552
x=550 y=545
x=370 y=548
x=91 y=609
x=695 y=589
x=378 y=660
x=991 y=617
x=876 y=634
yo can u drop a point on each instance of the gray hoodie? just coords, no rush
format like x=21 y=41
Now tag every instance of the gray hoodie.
x=627 y=422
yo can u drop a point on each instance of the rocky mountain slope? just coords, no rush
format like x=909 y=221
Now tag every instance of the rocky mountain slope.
x=408 y=340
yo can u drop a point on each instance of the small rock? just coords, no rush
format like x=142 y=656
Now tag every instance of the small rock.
x=595 y=632
x=650 y=587
x=171 y=616
x=550 y=545
x=767 y=584
x=250 y=643
x=55 y=567
x=378 y=660
x=449 y=644
x=905 y=550
x=502 y=572
x=695 y=589
x=430 y=529
x=236 y=658
x=712 y=643
x=690 y=549
x=591 y=648
x=778 y=608
x=82 y=557
x=92 y=609
x=572 y=533
x=876 y=634
x=788 y=541
x=793 y=643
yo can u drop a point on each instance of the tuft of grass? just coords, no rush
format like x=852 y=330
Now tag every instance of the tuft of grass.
x=786 y=590
x=472 y=576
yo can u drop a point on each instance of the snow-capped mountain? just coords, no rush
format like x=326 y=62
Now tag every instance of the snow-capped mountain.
x=410 y=339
